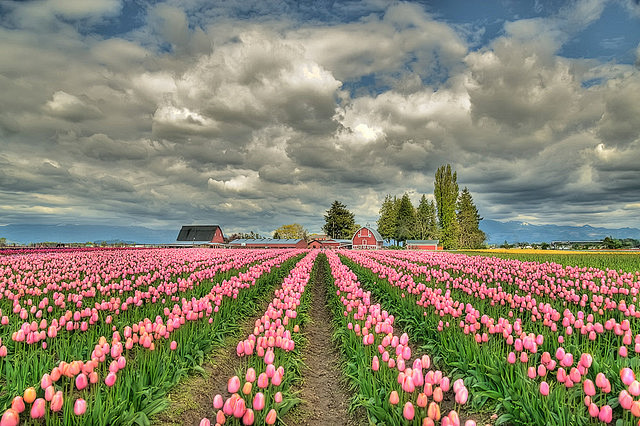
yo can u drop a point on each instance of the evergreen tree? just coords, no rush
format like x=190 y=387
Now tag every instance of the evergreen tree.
x=470 y=235
x=387 y=220
x=405 y=219
x=339 y=221
x=422 y=219
x=433 y=233
x=446 y=195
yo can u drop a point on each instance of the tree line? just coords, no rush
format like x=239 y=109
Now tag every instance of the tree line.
x=451 y=217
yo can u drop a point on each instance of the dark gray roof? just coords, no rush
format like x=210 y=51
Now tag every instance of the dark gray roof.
x=424 y=242
x=197 y=233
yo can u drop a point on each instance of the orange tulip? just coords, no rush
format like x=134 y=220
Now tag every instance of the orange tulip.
x=29 y=395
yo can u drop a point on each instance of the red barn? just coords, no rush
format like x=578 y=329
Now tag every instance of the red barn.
x=366 y=238
x=200 y=235
x=421 y=245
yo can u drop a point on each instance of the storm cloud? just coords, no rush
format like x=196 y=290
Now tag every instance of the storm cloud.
x=225 y=114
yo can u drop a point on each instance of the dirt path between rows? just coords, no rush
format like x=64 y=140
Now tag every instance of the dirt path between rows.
x=325 y=400
x=192 y=398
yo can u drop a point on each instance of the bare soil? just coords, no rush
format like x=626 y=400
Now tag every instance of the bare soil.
x=325 y=400
x=192 y=399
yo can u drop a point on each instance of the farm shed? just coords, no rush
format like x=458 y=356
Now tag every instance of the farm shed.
x=269 y=243
x=421 y=245
x=200 y=235
x=324 y=243
x=366 y=238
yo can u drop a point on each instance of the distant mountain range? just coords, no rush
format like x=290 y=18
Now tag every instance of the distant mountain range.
x=512 y=232
x=497 y=232
x=26 y=234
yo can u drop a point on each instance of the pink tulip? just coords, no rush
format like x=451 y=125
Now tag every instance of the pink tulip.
x=622 y=351
x=205 y=422
x=263 y=380
x=248 y=417
x=627 y=376
x=38 y=408
x=511 y=358
x=394 y=398
x=594 y=411
x=46 y=381
x=606 y=414
x=218 y=402
x=375 y=363
x=239 y=408
x=56 y=402
x=278 y=397
x=544 y=388
x=408 y=411
x=422 y=400
x=79 y=407
x=625 y=400
x=233 y=384
x=251 y=375
x=589 y=388
x=17 y=404
x=10 y=418
x=271 y=417
x=258 y=401
x=634 y=388
x=81 y=381
x=110 y=380
x=461 y=396
x=276 y=380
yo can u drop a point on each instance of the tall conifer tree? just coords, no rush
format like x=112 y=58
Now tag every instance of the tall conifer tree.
x=446 y=195
x=470 y=235
x=387 y=220
x=405 y=219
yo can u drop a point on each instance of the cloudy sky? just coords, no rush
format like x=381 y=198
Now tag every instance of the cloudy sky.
x=254 y=114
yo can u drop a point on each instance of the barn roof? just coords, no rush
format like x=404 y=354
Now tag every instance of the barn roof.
x=373 y=231
x=197 y=233
x=267 y=241
x=422 y=242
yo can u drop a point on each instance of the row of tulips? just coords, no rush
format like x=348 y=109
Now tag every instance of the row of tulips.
x=393 y=386
x=553 y=388
x=269 y=357
x=139 y=362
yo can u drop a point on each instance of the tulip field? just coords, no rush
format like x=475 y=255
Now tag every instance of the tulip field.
x=100 y=337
